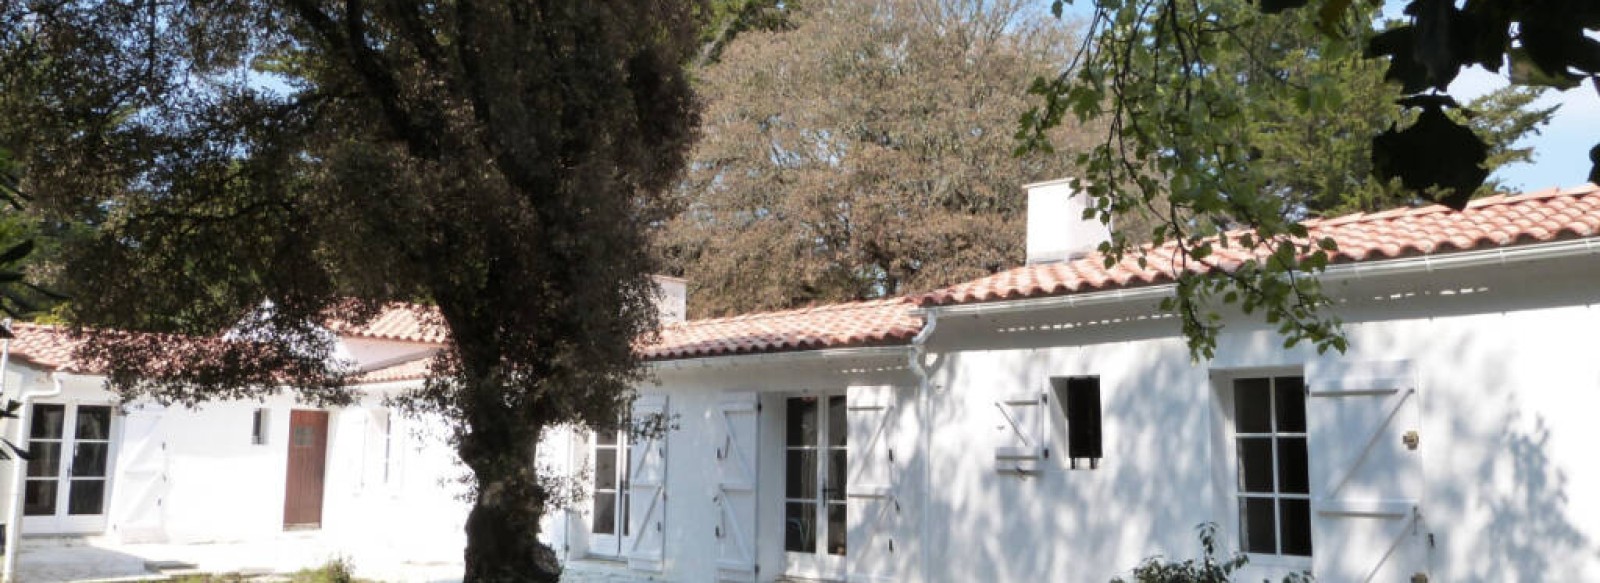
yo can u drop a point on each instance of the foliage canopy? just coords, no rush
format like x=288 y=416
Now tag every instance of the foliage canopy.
x=265 y=166
x=863 y=149
x=1238 y=115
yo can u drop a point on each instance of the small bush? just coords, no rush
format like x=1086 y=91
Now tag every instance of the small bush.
x=1208 y=569
x=337 y=570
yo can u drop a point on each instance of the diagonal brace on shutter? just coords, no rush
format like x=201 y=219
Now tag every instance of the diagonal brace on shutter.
x=1391 y=407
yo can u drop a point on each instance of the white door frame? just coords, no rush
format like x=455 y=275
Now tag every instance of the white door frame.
x=821 y=563
x=61 y=522
x=609 y=544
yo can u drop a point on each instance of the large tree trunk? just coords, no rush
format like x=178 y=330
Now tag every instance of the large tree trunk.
x=503 y=526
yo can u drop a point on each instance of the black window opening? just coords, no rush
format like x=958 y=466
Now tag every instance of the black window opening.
x=1269 y=417
x=258 y=427
x=1079 y=400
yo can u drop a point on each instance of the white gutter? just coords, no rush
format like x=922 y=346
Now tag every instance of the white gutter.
x=18 y=467
x=916 y=360
x=1357 y=271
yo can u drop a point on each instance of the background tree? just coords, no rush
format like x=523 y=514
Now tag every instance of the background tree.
x=496 y=159
x=1223 y=117
x=863 y=150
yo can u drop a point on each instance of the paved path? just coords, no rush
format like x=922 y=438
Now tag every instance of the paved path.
x=87 y=559
x=91 y=559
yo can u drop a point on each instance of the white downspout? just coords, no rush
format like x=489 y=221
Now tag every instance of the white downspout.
x=14 y=518
x=925 y=403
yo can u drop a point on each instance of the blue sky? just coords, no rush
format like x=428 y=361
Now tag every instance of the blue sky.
x=1561 y=150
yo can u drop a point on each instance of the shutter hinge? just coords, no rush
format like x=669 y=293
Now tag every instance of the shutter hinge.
x=758 y=406
x=758 y=568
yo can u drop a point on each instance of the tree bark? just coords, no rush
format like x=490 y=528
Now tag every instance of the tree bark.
x=504 y=522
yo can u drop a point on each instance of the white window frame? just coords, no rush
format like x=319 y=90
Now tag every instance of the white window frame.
x=61 y=522
x=1227 y=471
x=819 y=563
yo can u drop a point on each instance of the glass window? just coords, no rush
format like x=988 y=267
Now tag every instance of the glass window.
x=816 y=458
x=1273 y=474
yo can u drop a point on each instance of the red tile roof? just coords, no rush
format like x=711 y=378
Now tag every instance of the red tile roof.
x=1495 y=221
x=44 y=346
x=856 y=324
x=1491 y=222
x=399 y=321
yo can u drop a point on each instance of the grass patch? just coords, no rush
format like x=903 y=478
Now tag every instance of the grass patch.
x=334 y=571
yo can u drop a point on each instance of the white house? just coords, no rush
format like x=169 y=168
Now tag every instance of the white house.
x=1048 y=424
x=1042 y=424
x=231 y=471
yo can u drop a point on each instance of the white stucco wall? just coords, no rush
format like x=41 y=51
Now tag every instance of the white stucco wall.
x=194 y=475
x=1507 y=380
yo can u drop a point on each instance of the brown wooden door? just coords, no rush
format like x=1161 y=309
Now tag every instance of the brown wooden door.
x=308 y=453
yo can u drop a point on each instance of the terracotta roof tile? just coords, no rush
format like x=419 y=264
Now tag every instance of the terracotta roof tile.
x=1495 y=221
x=399 y=321
x=44 y=346
x=856 y=324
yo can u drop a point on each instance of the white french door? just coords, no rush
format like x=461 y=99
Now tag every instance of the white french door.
x=608 y=518
x=68 y=480
x=814 y=507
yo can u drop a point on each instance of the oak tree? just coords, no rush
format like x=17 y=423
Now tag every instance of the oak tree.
x=863 y=149
x=265 y=166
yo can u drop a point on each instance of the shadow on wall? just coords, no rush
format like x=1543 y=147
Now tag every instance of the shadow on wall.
x=1144 y=499
x=1504 y=513
x=1529 y=531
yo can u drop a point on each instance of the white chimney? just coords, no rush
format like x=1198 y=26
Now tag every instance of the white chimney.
x=672 y=301
x=1057 y=230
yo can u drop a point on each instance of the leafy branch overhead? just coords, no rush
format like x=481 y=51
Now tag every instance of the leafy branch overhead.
x=1245 y=117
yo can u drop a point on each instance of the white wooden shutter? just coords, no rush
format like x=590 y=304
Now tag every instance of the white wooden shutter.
x=872 y=484
x=1020 y=424
x=647 y=487
x=138 y=508
x=735 y=497
x=1366 y=481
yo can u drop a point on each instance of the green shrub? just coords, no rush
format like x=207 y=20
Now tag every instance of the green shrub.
x=1209 y=568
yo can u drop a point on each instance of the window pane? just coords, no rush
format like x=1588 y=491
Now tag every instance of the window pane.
x=46 y=460
x=302 y=436
x=1291 y=393
x=89 y=460
x=1081 y=405
x=799 y=527
x=801 y=474
x=837 y=433
x=802 y=426
x=605 y=468
x=94 y=422
x=1292 y=470
x=1252 y=406
x=605 y=437
x=1296 y=526
x=47 y=421
x=836 y=529
x=1255 y=464
x=836 y=474
x=605 y=513
x=1256 y=522
x=86 y=497
x=39 y=498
